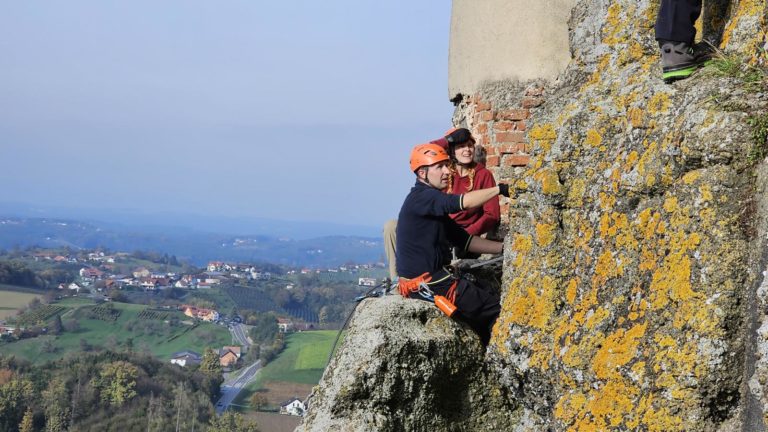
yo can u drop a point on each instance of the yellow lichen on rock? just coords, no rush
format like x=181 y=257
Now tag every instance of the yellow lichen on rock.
x=545 y=233
x=542 y=136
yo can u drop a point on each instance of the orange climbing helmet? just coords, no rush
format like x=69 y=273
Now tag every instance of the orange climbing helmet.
x=427 y=154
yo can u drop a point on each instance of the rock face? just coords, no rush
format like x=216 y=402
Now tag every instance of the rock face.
x=629 y=269
x=634 y=293
x=404 y=366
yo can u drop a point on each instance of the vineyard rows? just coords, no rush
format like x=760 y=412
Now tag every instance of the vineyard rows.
x=39 y=315
x=103 y=313
x=153 y=314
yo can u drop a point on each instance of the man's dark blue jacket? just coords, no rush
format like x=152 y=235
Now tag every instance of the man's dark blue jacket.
x=423 y=228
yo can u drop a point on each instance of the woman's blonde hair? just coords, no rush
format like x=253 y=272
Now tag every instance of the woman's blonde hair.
x=454 y=172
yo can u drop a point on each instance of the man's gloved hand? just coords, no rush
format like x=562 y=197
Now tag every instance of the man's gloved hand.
x=503 y=189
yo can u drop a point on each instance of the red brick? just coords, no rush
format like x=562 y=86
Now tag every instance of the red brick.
x=482 y=106
x=515 y=160
x=503 y=126
x=510 y=137
x=491 y=150
x=481 y=129
x=520 y=125
x=483 y=116
x=532 y=102
x=513 y=148
x=513 y=114
x=492 y=161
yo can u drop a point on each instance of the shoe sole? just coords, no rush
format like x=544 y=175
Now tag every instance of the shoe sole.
x=671 y=76
x=679 y=73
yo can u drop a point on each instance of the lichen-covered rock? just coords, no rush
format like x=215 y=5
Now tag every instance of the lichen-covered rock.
x=404 y=366
x=629 y=255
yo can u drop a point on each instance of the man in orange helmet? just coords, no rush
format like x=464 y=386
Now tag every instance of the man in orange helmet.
x=424 y=225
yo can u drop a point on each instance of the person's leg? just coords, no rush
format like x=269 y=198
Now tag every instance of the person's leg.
x=675 y=33
x=676 y=19
x=390 y=240
x=479 y=307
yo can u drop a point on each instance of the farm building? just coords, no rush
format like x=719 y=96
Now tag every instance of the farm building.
x=183 y=358
x=293 y=406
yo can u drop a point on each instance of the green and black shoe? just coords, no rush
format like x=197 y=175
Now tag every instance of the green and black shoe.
x=679 y=60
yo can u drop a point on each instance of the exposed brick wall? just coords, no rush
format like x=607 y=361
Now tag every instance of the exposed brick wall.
x=502 y=133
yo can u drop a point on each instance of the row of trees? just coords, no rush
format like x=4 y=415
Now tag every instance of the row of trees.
x=18 y=273
x=111 y=391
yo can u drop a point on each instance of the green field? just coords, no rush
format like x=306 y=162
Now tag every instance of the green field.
x=11 y=301
x=302 y=362
x=162 y=341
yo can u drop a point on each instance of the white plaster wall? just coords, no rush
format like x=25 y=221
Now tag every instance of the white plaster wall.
x=493 y=40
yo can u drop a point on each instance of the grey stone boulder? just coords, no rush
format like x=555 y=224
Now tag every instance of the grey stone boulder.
x=404 y=366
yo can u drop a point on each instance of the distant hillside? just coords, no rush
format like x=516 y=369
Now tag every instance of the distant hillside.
x=197 y=247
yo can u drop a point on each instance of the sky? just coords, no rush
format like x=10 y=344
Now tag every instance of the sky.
x=290 y=110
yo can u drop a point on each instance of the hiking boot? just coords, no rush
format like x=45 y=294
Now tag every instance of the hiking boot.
x=679 y=59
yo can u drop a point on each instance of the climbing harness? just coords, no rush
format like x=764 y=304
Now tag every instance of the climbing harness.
x=420 y=286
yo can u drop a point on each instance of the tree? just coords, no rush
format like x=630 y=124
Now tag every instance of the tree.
x=56 y=326
x=264 y=328
x=117 y=382
x=55 y=399
x=258 y=401
x=71 y=325
x=231 y=422
x=27 y=424
x=14 y=398
x=47 y=346
x=323 y=315
x=35 y=303
x=210 y=363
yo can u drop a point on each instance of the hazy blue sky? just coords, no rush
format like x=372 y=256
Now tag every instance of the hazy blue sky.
x=302 y=110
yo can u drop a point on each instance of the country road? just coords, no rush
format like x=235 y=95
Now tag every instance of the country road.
x=240 y=335
x=231 y=387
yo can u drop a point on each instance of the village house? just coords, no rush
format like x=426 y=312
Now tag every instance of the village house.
x=284 y=325
x=91 y=273
x=214 y=266
x=183 y=358
x=229 y=355
x=201 y=313
x=364 y=281
x=147 y=284
x=141 y=272
x=6 y=329
x=293 y=406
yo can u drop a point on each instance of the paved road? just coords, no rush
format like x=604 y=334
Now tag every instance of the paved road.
x=240 y=334
x=231 y=388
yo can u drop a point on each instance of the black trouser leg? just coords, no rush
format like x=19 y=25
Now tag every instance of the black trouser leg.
x=479 y=307
x=676 y=20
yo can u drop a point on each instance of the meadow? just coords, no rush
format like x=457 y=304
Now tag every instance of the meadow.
x=127 y=331
x=295 y=371
x=11 y=301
